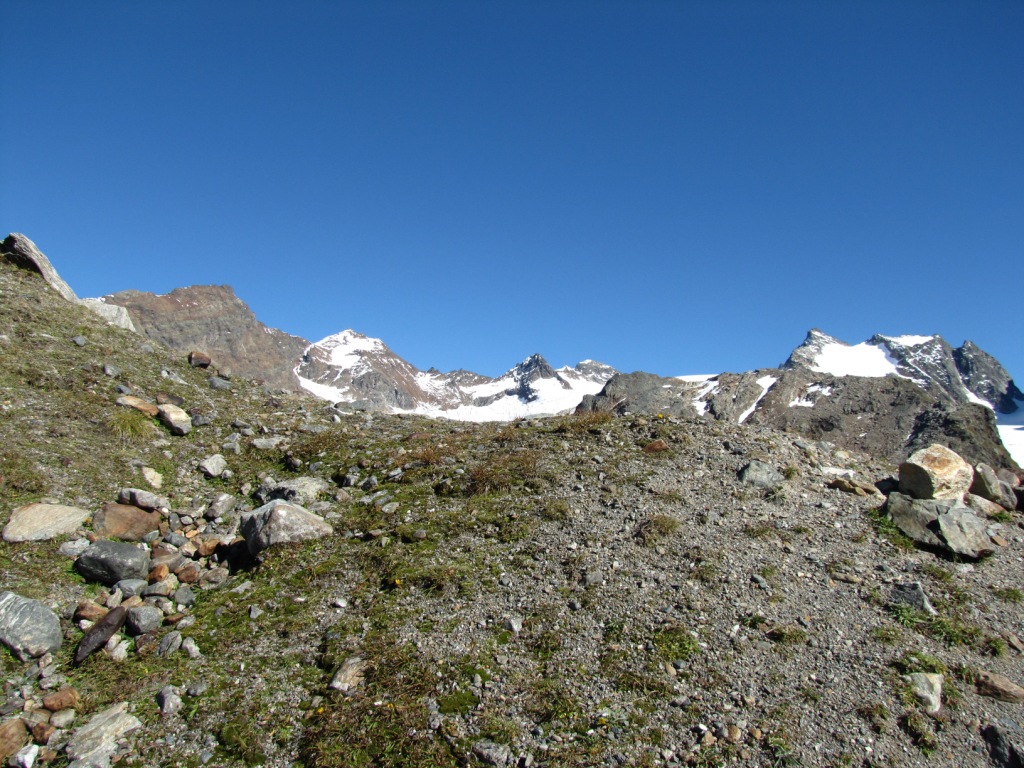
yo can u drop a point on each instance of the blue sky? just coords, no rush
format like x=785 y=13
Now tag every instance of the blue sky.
x=677 y=187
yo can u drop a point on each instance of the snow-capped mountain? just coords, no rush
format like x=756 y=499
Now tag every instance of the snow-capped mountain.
x=349 y=367
x=880 y=396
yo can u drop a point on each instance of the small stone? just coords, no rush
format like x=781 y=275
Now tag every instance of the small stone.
x=143 y=619
x=170 y=643
x=927 y=687
x=63 y=719
x=168 y=700
x=213 y=466
x=191 y=648
x=514 y=624
x=151 y=476
x=912 y=594
x=65 y=698
x=349 y=675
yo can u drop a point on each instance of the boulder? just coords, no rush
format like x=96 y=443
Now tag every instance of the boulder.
x=124 y=521
x=299 y=490
x=108 y=562
x=935 y=472
x=964 y=533
x=21 y=251
x=760 y=475
x=988 y=485
x=179 y=422
x=39 y=522
x=983 y=506
x=1005 y=744
x=279 y=522
x=113 y=314
x=28 y=627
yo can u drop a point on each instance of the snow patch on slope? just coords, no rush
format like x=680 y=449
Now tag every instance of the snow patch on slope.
x=863 y=359
x=766 y=383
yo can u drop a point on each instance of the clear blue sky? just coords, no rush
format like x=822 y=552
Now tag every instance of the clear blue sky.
x=678 y=187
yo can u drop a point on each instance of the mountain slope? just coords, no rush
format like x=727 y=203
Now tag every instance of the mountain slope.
x=212 y=320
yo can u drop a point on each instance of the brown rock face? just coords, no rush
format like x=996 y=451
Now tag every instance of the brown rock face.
x=211 y=320
x=122 y=521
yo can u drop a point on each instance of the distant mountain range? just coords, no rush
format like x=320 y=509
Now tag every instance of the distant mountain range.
x=884 y=396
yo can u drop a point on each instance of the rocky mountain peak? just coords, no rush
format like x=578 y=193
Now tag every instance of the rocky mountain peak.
x=213 y=320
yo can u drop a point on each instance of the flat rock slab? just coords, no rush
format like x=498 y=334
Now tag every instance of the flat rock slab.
x=146 y=407
x=965 y=534
x=39 y=522
x=108 y=562
x=124 y=521
x=917 y=519
x=28 y=627
x=299 y=490
x=95 y=743
x=279 y=522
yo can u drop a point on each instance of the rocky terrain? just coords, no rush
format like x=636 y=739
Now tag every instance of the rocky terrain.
x=199 y=570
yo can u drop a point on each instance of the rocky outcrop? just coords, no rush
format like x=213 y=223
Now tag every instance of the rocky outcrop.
x=210 y=319
x=969 y=429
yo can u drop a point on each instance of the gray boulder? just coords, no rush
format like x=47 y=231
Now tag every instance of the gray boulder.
x=28 y=627
x=279 y=522
x=988 y=485
x=760 y=475
x=965 y=534
x=95 y=743
x=108 y=562
x=918 y=519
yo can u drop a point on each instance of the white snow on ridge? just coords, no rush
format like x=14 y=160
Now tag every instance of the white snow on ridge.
x=806 y=401
x=766 y=383
x=346 y=348
x=859 y=360
x=908 y=340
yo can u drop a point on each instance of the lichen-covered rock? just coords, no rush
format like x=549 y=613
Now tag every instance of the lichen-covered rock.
x=39 y=522
x=28 y=627
x=935 y=472
x=279 y=522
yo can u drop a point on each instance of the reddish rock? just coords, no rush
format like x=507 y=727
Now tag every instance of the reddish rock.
x=207 y=547
x=188 y=573
x=199 y=360
x=126 y=522
x=41 y=732
x=656 y=446
x=89 y=611
x=159 y=573
x=65 y=698
x=999 y=687
x=146 y=407
x=13 y=736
